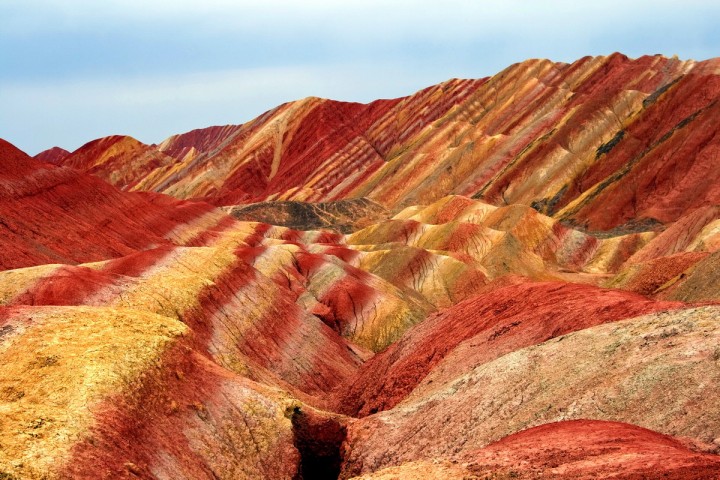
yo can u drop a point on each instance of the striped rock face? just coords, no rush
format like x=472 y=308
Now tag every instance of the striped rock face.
x=511 y=277
x=578 y=449
x=604 y=142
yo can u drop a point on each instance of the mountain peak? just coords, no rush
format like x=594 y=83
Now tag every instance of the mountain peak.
x=54 y=155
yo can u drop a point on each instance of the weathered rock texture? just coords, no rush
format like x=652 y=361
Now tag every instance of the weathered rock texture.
x=511 y=277
x=576 y=449
x=51 y=214
x=605 y=143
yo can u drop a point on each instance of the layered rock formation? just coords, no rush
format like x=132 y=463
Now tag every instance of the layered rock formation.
x=579 y=449
x=53 y=155
x=512 y=277
x=54 y=214
x=604 y=142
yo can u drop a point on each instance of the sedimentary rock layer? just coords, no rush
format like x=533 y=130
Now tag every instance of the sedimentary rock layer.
x=577 y=449
x=605 y=143
x=53 y=214
x=511 y=277
x=479 y=330
x=657 y=371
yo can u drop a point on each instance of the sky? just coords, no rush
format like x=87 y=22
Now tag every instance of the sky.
x=75 y=70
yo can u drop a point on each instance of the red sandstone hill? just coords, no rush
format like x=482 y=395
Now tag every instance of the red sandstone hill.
x=604 y=142
x=481 y=329
x=511 y=277
x=54 y=155
x=578 y=450
x=55 y=214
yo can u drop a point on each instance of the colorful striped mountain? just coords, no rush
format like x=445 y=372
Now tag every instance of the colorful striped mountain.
x=511 y=277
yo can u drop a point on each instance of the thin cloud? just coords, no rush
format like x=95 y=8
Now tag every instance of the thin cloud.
x=74 y=70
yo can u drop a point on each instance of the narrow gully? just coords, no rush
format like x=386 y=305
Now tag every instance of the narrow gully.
x=319 y=441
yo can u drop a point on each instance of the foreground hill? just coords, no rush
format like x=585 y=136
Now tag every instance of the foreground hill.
x=512 y=277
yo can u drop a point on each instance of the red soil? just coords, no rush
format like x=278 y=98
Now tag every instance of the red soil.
x=204 y=140
x=343 y=253
x=672 y=150
x=328 y=128
x=587 y=449
x=343 y=302
x=652 y=275
x=679 y=236
x=186 y=399
x=485 y=327
x=452 y=209
x=663 y=167
x=125 y=160
x=206 y=237
x=74 y=285
x=700 y=283
x=644 y=171
x=54 y=155
x=304 y=355
x=58 y=215
x=660 y=167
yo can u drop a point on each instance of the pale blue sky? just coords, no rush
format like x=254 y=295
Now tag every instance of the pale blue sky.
x=75 y=70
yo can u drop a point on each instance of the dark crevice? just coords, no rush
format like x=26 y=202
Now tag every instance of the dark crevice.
x=319 y=440
x=547 y=206
x=606 y=147
x=652 y=98
x=598 y=188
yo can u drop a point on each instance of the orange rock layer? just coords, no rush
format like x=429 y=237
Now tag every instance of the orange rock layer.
x=604 y=142
x=512 y=277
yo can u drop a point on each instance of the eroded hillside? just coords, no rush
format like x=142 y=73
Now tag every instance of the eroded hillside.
x=512 y=277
